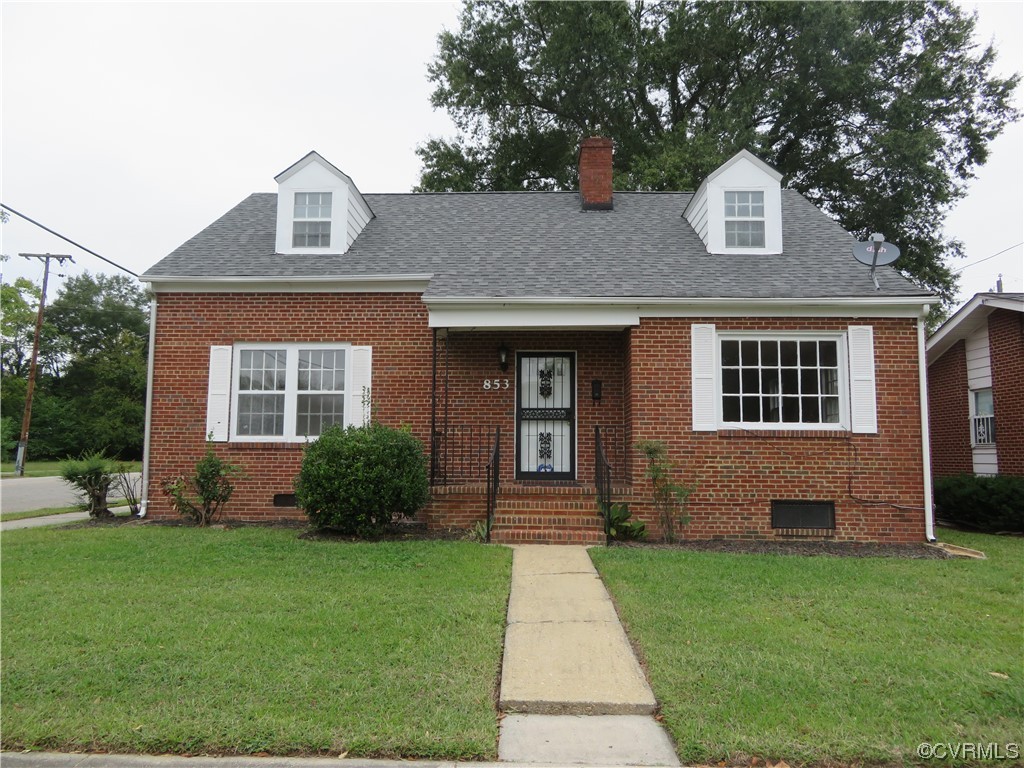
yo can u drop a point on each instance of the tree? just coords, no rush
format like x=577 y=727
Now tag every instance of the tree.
x=91 y=383
x=879 y=113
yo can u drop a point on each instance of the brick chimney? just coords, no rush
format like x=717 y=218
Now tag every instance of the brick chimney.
x=596 y=174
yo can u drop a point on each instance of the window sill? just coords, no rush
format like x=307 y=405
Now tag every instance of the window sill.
x=278 y=445
x=799 y=434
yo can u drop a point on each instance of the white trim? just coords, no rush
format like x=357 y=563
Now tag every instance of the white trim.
x=619 y=313
x=148 y=428
x=842 y=363
x=290 y=391
x=966 y=320
x=926 y=455
x=415 y=283
x=676 y=301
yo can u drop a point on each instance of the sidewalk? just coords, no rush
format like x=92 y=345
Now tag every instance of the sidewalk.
x=571 y=688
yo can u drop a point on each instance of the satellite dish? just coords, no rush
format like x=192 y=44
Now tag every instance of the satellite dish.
x=864 y=252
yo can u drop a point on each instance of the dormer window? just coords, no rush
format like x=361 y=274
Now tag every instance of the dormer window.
x=744 y=219
x=312 y=220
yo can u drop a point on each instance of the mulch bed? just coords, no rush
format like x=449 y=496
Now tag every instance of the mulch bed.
x=918 y=551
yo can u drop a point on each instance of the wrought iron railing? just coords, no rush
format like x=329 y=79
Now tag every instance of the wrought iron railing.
x=984 y=430
x=493 y=479
x=460 y=454
x=602 y=480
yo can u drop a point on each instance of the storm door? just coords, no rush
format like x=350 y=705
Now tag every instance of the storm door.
x=546 y=416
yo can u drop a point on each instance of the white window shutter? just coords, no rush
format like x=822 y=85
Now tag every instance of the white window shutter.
x=702 y=364
x=863 y=410
x=359 y=398
x=218 y=394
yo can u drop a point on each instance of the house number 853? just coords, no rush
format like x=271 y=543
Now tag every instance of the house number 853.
x=495 y=383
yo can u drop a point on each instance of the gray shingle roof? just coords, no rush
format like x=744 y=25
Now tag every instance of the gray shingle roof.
x=540 y=244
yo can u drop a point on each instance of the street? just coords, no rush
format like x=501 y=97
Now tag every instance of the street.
x=21 y=494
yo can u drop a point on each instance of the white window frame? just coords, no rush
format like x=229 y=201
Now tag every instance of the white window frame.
x=843 y=364
x=973 y=406
x=291 y=390
x=329 y=219
x=762 y=218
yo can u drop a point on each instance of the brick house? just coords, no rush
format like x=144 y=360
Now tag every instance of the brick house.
x=560 y=328
x=975 y=392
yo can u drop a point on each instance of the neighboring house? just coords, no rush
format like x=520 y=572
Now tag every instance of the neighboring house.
x=976 y=388
x=731 y=323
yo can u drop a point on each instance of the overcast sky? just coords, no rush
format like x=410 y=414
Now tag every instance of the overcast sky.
x=129 y=127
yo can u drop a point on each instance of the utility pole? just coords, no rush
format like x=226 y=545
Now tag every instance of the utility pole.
x=19 y=462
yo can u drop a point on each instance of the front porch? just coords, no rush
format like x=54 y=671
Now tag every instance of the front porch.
x=544 y=447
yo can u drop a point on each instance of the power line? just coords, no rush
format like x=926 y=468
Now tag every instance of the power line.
x=965 y=266
x=68 y=240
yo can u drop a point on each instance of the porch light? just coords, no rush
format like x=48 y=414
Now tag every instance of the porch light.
x=503 y=357
x=595 y=390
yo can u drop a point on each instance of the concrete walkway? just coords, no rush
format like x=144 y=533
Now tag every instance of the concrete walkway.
x=571 y=687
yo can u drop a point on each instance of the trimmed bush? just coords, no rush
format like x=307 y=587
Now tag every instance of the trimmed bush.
x=988 y=504
x=91 y=475
x=358 y=480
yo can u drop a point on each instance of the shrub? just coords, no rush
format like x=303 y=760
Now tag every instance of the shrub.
x=619 y=525
x=989 y=504
x=91 y=475
x=670 y=497
x=129 y=486
x=201 y=497
x=358 y=480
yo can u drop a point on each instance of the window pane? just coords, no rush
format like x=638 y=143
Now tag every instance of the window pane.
x=808 y=353
x=730 y=353
x=752 y=409
x=769 y=381
x=808 y=382
x=730 y=409
x=770 y=408
x=261 y=414
x=790 y=381
x=731 y=381
x=322 y=370
x=751 y=381
x=983 y=402
x=748 y=350
x=317 y=412
x=829 y=355
x=830 y=410
x=810 y=410
x=829 y=381
x=769 y=353
x=791 y=410
x=787 y=350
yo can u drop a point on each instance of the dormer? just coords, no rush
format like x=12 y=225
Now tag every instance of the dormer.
x=319 y=209
x=738 y=207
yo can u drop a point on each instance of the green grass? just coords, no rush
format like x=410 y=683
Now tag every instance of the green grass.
x=158 y=639
x=827 y=659
x=48 y=468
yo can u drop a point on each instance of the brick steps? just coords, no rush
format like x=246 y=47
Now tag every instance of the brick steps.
x=569 y=517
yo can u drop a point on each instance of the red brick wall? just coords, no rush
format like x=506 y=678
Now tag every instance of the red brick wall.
x=1006 y=343
x=188 y=324
x=738 y=473
x=949 y=415
x=473 y=357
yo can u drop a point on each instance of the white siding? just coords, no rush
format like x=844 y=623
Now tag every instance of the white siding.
x=985 y=460
x=979 y=364
x=697 y=214
x=358 y=216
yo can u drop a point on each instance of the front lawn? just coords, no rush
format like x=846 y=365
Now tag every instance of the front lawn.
x=159 y=639
x=826 y=659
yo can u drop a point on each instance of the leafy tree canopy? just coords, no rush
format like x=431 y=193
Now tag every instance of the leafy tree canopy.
x=878 y=112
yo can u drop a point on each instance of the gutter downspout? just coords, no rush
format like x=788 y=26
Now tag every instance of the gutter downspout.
x=926 y=453
x=144 y=503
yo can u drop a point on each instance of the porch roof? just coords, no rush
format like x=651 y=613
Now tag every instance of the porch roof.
x=518 y=245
